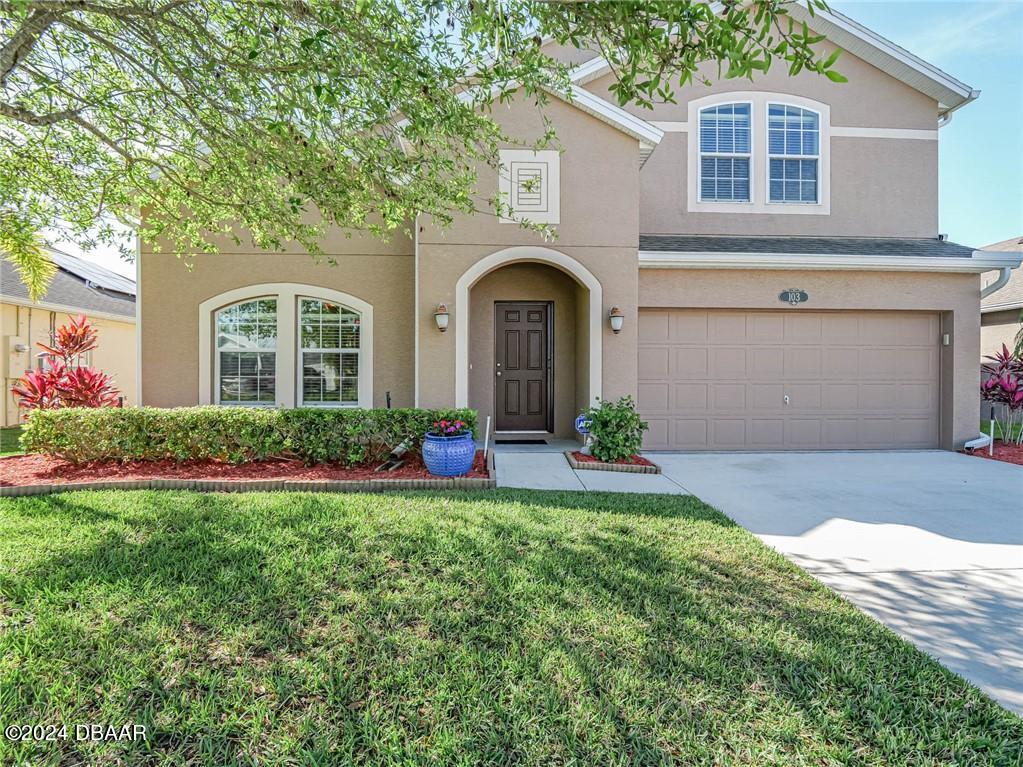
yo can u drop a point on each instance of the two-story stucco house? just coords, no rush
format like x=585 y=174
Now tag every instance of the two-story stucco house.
x=769 y=248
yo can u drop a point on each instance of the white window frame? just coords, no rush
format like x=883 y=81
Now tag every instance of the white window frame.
x=288 y=369
x=700 y=154
x=548 y=162
x=759 y=190
x=300 y=350
x=770 y=156
x=217 y=349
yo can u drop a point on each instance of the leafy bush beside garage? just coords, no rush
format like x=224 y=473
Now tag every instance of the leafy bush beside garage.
x=349 y=436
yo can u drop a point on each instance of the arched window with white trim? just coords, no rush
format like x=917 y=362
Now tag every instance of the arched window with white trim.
x=286 y=345
x=329 y=339
x=246 y=358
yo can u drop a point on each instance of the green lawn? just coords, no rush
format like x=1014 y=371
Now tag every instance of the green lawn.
x=9 y=441
x=509 y=627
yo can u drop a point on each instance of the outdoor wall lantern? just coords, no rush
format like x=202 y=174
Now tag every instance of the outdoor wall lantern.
x=617 y=318
x=441 y=317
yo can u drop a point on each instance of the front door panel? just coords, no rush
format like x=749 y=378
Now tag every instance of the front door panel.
x=522 y=374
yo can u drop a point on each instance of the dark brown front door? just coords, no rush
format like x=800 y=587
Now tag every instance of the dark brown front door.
x=522 y=375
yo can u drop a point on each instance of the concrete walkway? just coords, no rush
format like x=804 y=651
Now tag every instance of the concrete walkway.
x=928 y=542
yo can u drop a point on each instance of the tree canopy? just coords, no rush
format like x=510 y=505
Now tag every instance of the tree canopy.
x=212 y=114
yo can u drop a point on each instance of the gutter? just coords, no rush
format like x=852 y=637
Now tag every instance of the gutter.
x=980 y=261
x=70 y=310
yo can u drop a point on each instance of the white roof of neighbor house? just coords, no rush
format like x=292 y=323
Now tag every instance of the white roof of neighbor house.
x=1009 y=296
x=861 y=42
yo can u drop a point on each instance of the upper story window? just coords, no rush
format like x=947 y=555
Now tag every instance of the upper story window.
x=529 y=184
x=286 y=345
x=247 y=353
x=725 y=153
x=758 y=152
x=793 y=148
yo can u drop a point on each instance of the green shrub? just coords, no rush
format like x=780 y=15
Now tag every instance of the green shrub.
x=617 y=429
x=236 y=434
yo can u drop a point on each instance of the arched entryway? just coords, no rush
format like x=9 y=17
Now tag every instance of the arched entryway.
x=550 y=299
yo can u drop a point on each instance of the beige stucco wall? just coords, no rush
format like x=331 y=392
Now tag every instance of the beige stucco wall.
x=115 y=354
x=997 y=328
x=599 y=228
x=955 y=296
x=172 y=295
x=526 y=282
x=880 y=187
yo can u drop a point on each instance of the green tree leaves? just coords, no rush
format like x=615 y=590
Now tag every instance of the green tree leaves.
x=273 y=120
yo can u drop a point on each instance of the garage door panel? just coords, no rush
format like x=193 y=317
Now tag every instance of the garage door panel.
x=691 y=363
x=841 y=329
x=853 y=379
x=766 y=328
x=729 y=396
x=803 y=363
x=727 y=328
x=654 y=326
x=767 y=364
x=690 y=397
x=803 y=328
x=691 y=433
x=653 y=397
x=728 y=362
x=654 y=362
x=767 y=432
x=689 y=328
x=805 y=433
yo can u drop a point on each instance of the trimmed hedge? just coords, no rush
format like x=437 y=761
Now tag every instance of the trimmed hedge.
x=348 y=436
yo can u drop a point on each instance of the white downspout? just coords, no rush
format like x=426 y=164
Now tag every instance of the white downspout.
x=1003 y=278
x=1004 y=273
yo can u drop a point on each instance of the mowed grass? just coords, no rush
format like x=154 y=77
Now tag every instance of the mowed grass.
x=510 y=627
x=9 y=444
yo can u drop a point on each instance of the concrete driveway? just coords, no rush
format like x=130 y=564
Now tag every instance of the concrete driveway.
x=928 y=542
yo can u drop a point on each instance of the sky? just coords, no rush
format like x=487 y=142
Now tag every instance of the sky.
x=981 y=149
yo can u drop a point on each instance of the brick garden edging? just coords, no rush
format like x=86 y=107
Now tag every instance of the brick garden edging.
x=628 y=468
x=262 y=485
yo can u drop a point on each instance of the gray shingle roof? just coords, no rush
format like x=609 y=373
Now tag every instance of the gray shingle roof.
x=1011 y=295
x=817 y=246
x=69 y=288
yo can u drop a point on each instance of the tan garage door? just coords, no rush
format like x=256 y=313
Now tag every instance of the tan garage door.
x=788 y=380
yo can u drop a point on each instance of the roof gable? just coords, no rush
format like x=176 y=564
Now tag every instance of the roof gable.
x=861 y=42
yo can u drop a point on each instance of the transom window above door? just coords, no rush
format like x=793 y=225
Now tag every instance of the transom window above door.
x=286 y=345
x=758 y=152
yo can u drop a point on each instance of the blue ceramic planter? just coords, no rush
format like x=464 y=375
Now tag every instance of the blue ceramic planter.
x=449 y=456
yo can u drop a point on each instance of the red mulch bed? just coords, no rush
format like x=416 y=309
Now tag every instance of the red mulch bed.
x=1010 y=453
x=45 y=469
x=636 y=460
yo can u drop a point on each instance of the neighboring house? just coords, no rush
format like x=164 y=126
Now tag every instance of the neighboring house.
x=771 y=245
x=78 y=287
x=1001 y=310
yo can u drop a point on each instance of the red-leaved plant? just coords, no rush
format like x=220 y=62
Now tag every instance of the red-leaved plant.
x=1003 y=384
x=64 y=382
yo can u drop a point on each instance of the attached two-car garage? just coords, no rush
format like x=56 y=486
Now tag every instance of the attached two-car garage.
x=789 y=380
